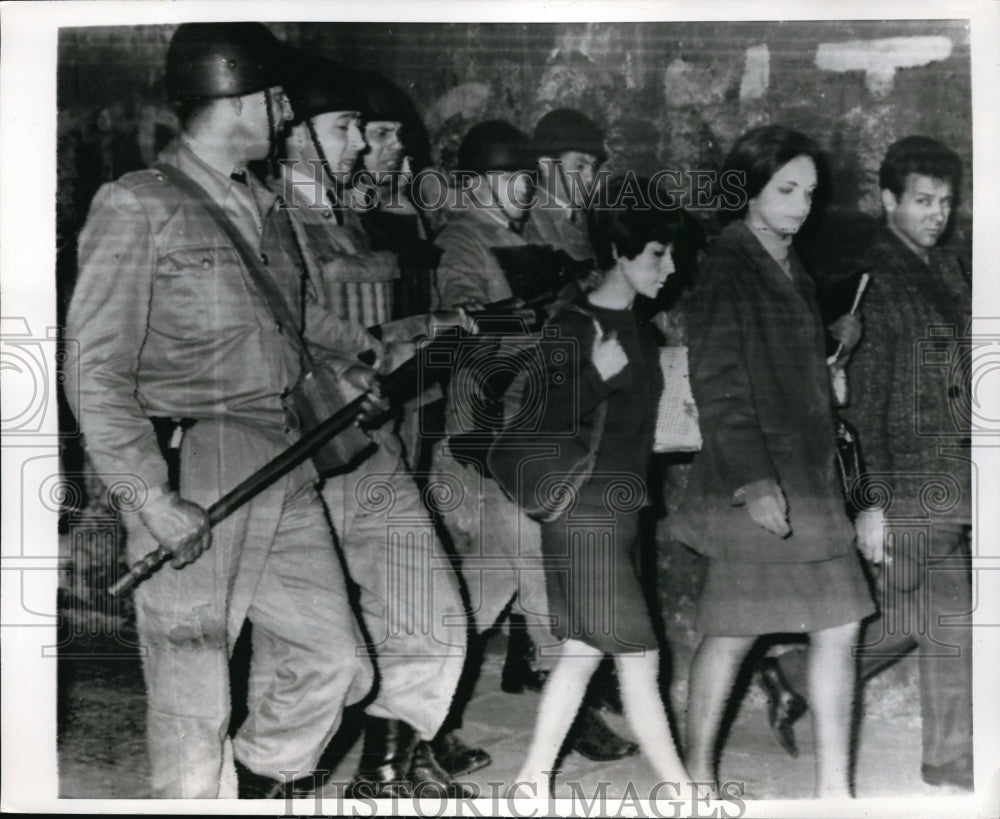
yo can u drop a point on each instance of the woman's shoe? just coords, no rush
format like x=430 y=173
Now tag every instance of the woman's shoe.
x=519 y=672
x=456 y=757
x=604 y=691
x=591 y=737
x=784 y=704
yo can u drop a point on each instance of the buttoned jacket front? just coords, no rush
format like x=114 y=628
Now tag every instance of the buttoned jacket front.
x=167 y=322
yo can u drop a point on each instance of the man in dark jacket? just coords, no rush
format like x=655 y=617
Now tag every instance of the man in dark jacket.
x=910 y=405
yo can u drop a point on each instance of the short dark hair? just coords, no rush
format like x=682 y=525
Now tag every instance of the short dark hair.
x=920 y=155
x=629 y=225
x=759 y=154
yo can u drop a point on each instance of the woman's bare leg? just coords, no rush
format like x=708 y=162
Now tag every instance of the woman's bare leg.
x=645 y=712
x=714 y=668
x=832 y=679
x=561 y=698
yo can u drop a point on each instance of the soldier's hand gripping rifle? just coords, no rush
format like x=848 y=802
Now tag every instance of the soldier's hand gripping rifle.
x=398 y=385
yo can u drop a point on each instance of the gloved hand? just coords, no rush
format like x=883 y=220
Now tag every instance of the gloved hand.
x=869 y=527
x=179 y=526
x=766 y=505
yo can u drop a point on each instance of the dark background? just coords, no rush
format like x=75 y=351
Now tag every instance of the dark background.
x=668 y=95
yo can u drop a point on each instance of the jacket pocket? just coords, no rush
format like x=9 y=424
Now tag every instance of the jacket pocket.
x=198 y=290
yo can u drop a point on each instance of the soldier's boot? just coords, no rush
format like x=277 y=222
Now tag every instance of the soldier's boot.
x=250 y=785
x=395 y=763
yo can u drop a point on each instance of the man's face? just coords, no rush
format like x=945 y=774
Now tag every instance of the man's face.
x=339 y=134
x=256 y=125
x=574 y=172
x=920 y=214
x=514 y=192
x=385 y=149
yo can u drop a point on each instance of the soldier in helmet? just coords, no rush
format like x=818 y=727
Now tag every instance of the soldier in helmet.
x=182 y=368
x=395 y=138
x=396 y=147
x=570 y=150
x=321 y=146
x=487 y=259
x=409 y=596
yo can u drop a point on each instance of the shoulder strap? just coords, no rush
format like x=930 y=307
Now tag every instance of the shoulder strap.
x=261 y=279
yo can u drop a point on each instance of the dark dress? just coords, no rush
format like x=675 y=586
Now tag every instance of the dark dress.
x=593 y=586
x=760 y=380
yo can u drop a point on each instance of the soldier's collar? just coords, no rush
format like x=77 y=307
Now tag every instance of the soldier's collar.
x=216 y=159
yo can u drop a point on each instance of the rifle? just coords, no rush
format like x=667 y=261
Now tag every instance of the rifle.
x=397 y=384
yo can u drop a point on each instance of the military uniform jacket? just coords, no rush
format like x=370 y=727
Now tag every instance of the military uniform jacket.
x=167 y=322
x=909 y=381
x=561 y=227
x=357 y=282
x=469 y=270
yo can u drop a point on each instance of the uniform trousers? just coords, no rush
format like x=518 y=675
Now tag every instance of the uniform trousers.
x=409 y=595
x=500 y=548
x=271 y=561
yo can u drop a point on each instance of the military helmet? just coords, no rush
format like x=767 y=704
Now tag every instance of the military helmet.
x=495 y=145
x=384 y=100
x=210 y=60
x=318 y=85
x=566 y=129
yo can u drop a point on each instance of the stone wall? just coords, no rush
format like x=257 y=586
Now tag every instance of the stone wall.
x=671 y=95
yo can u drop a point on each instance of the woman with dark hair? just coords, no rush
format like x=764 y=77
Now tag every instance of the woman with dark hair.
x=594 y=591
x=763 y=502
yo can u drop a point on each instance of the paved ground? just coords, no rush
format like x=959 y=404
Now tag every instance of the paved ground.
x=102 y=749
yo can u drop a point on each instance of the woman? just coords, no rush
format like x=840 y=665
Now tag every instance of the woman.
x=763 y=502
x=594 y=592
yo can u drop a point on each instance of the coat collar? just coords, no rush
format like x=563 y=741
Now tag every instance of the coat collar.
x=739 y=239
x=216 y=181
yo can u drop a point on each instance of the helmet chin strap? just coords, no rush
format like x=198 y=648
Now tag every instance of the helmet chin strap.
x=327 y=171
x=272 y=134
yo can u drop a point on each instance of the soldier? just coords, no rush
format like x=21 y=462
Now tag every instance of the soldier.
x=396 y=140
x=388 y=214
x=913 y=431
x=486 y=259
x=569 y=147
x=181 y=356
x=409 y=595
x=570 y=150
